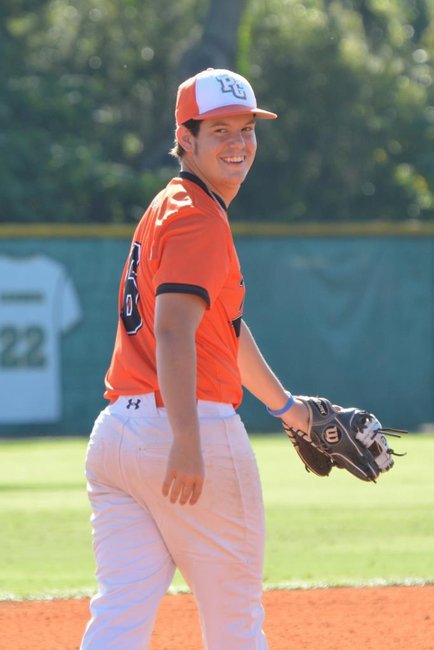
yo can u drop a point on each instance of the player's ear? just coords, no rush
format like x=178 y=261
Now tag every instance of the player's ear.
x=185 y=138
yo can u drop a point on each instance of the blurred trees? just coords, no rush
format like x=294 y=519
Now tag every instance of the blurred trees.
x=87 y=95
x=352 y=83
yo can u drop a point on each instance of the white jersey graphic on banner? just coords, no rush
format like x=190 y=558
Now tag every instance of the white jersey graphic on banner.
x=38 y=303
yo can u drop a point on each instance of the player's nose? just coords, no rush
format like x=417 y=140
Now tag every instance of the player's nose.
x=237 y=140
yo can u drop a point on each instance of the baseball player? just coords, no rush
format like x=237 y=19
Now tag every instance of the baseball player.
x=172 y=479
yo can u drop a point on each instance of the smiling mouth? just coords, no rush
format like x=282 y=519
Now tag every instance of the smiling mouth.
x=234 y=160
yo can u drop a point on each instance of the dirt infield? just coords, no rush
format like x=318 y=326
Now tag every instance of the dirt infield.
x=398 y=618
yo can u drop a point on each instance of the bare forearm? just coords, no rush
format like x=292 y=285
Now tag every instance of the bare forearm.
x=177 y=317
x=176 y=368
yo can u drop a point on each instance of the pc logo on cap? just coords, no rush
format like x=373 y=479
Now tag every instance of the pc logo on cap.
x=216 y=93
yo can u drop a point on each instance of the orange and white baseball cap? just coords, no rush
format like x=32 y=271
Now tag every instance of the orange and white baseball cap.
x=216 y=93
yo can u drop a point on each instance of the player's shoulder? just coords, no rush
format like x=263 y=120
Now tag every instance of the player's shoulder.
x=183 y=209
x=184 y=201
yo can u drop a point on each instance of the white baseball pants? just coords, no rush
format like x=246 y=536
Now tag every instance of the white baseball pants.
x=140 y=537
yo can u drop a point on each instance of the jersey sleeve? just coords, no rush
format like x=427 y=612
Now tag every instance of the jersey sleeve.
x=193 y=257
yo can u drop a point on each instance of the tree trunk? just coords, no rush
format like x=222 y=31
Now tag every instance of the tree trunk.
x=217 y=47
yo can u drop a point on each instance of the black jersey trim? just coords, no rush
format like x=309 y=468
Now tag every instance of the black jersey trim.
x=179 y=287
x=236 y=324
x=195 y=179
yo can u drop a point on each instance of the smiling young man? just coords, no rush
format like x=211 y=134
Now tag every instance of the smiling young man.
x=221 y=153
x=172 y=478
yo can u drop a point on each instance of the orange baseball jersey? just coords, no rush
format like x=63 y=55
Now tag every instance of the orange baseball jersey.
x=184 y=244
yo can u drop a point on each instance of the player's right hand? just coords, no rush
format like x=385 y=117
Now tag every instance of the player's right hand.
x=185 y=472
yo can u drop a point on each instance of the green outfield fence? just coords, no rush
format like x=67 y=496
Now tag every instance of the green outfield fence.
x=345 y=310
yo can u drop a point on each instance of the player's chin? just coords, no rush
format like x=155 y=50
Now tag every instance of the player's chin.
x=237 y=171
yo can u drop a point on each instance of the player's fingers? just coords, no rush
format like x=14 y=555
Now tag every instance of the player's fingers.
x=169 y=478
x=186 y=492
x=177 y=486
x=196 y=492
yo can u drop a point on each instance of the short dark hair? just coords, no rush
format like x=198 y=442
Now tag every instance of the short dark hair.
x=177 y=150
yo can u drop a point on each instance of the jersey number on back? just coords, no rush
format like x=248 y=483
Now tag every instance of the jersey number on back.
x=130 y=313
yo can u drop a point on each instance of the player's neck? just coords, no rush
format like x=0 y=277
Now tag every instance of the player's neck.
x=227 y=192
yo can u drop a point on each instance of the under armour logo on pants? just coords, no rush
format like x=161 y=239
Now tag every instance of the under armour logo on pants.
x=131 y=403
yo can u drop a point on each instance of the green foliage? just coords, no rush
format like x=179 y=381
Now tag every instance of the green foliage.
x=86 y=107
x=87 y=87
x=355 y=137
x=335 y=530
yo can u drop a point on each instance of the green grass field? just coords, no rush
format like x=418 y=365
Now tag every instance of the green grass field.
x=334 y=530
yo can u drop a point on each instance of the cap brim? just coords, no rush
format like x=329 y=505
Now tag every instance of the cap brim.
x=235 y=109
